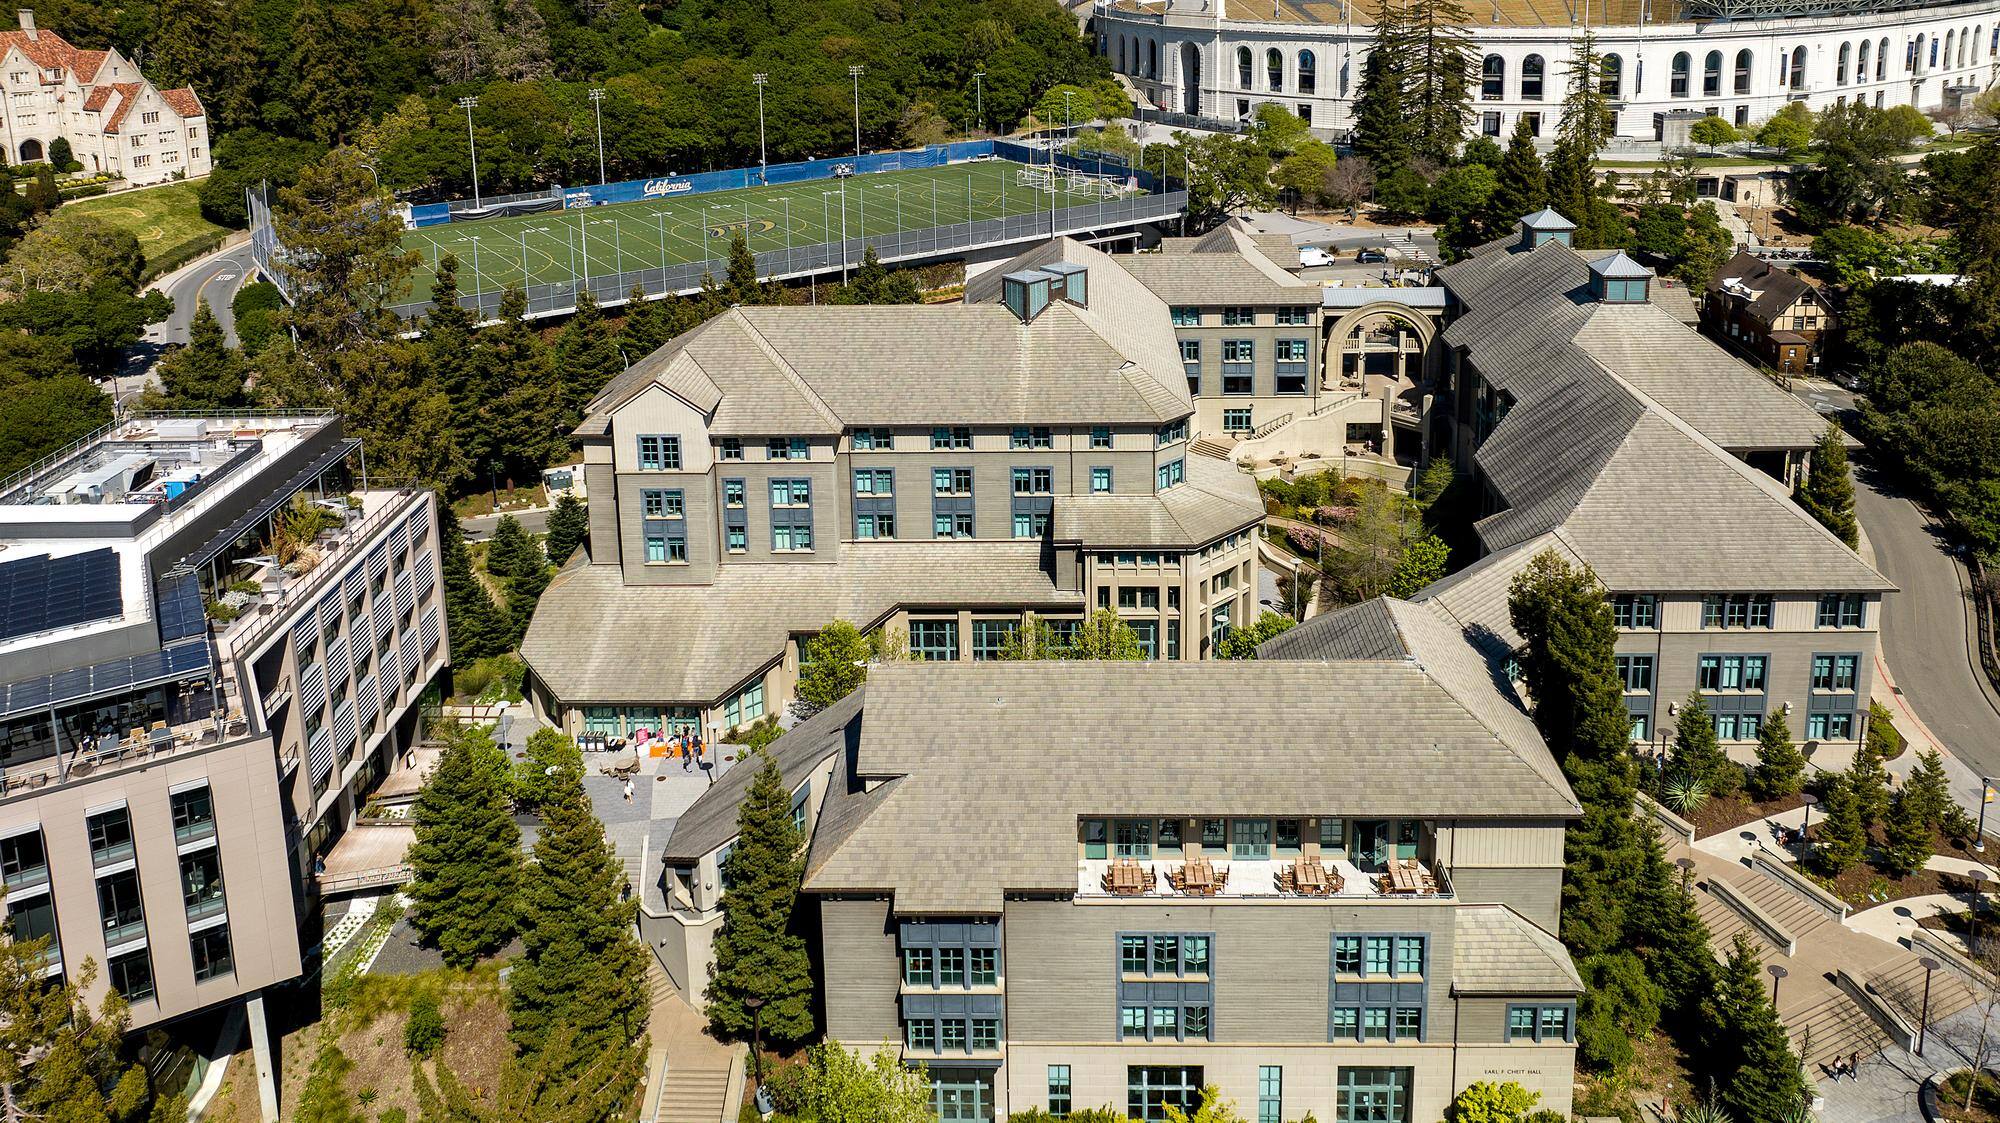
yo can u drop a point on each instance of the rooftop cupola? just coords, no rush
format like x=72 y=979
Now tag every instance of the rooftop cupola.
x=1545 y=225
x=1618 y=279
x=1029 y=291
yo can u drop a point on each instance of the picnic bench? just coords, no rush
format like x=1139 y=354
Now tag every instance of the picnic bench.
x=1127 y=878
x=1408 y=876
x=1308 y=877
x=1199 y=878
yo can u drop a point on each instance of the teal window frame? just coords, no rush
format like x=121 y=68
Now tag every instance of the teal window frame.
x=1371 y=1094
x=1060 y=1091
x=1270 y=1094
x=659 y=452
x=1132 y=838
x=1247 y=842
x=1096 y=839
x=919 y=967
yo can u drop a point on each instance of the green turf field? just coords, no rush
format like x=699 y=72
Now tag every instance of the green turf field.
x=558 y=246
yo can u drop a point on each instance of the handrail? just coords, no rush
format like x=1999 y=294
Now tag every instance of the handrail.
x=312 y=582
x=1271 y=426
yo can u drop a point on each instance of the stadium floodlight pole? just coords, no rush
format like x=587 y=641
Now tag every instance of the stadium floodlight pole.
x=979 y=96
x=855 y=72
x=660 y=220
x=763 y=157
x=597 y=106
x=843 y=228
x=472 y=146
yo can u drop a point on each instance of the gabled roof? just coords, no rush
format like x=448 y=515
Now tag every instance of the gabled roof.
x=710 y=821
x=46 y=49
x=1773 y=289
x=128 y=95
x=183 y=102
x=1216 y=499
x=770 y=370
x=1547 y=219
x=980 y=771
x=1227 y=265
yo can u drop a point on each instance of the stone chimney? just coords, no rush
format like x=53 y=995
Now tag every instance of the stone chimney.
x=27 y=16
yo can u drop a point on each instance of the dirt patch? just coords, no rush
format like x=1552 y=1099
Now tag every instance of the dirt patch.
x=1719 y=815
x=1659 y=1073
x=1868 y=884
x=1985 y=1099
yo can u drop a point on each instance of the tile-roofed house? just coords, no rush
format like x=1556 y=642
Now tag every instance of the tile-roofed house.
x=113 y=118
x=1769 y=312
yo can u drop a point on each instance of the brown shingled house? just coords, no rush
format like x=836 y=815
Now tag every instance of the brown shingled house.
x=1767 y=312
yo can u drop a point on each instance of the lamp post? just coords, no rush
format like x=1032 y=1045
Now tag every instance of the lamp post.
x=472 y=146
x=1805 y=843
x=597 y=107
x=756 y=1005
x=979 y=97
x=1686 y=866
x=1777 y=972
x=763 y=159
x=855 y=72
x=1924 y=1020
x=1978 y=878
x=1985 y=797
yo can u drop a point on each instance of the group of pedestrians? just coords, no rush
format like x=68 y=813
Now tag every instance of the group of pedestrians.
x=687 y=746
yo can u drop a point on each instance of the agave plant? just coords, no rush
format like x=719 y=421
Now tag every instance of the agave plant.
x=1702 y=1113
x=1800 y=1112
x=1684 y=793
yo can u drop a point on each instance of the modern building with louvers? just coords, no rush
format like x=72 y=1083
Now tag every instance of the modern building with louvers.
x=1042 y=881
x=937 y=473
x=213 y=641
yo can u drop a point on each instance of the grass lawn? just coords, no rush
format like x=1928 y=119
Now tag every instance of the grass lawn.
x=162 y=218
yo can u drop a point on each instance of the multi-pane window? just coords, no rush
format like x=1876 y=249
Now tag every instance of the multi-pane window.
x=1170 y=433
x=788 y=448
x=131 y=975
x=1170 y=955
x=1835 y=672
x=1840 y=610
x=110 y=835
x=874 y=483
x=791 y=493
x=1158 y=1022
x=1235 y=316
x=1270 y=1094
x=1185 y=316
x=1521 y=1021
x=919 y=967
x=1100 y=437
x=1239 y=350
x=1378 y=955
x=1736 y=610
x=1100 y=481
x=1376 y=952
x=989 y=638
x=732 y=448
x=951 y=524
x=983 y=967
x=1731 y=672
x=119 y=903
x=873 y=440
x=1540 y=1023
x=210 y=948
x=1737 y=727
x=1296 y=315
x=24 y=860
x=659 y=453
x=1376 y=1023
x=1171 y=474
x=732 y=493
x=985 y=1034
x=1037 y=436
x=1635 y=610
x=1250 y=839
x=1829 y=727
x=951 y=481
x=920 y=1036
x=194 y=814
x=201 y=883
x=1236 y=420
x=1132 y=838
x=1034 y=481
x=951 y=967
x=934 y=641
x=1059 y=1090
x=1636 y=671
x=663 y=504
x=951 y=437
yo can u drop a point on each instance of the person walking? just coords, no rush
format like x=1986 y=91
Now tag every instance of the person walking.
x=628 y=789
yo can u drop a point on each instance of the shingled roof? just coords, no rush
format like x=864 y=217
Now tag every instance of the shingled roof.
x=1497 y=951
x=710 y=820
x=1774 y=289
x=990 y=765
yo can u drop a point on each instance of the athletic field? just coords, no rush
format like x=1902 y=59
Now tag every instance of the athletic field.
x=558 y=247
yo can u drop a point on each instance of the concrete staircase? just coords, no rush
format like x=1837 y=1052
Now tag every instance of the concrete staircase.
x=694 y=1096
x=1798 y=916
x=1833 y=1026
x=1723 y=923
x=1205 y=445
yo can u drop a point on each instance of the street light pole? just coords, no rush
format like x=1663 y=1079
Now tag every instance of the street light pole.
x=1778 y=974
x=597 y=106
x=1924 y=1021
x=1985 y=797
x=472 y=146
x=763 y=158
x=854 y=72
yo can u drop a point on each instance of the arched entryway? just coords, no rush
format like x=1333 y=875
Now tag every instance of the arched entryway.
x=1190 y=79
x=31 y=151
x=1387 y=350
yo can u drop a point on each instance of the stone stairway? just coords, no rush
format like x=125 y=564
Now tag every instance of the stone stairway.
x=1798 y=916
x=1723 y=923
x=1830 y=1026
x=1901 y=985
x=1205 y=445
x=694 y=1096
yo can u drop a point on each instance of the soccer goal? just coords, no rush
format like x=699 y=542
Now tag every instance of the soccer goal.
x=1041 y=178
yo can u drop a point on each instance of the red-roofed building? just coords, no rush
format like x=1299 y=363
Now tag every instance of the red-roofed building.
x=115 y=120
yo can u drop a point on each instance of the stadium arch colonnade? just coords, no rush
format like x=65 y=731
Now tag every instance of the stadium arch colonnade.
x=1741 y=60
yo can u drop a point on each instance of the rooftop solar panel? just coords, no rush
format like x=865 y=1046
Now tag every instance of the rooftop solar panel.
x=42 y=593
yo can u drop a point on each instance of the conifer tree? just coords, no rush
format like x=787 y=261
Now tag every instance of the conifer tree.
x=454 y=365
x=758 y=953
x=1780 y=767
x=581 y=965
x=741 y=286
x=1842 y=839
x=1581 y=129
x=1827 y=493
x=1442 y=62
x=323 y=72
x=466 y=860
x=569 y=527
x=1869 y=782
x=1906 y=843
x=1929 y=789
x=206 y=374
x=646 y=326
x=1524 y=184
x=59 y=1058
x=587 y=357
x=478 y=626
x=1382 y=130
x=525 y=411
x=1698 y=752
x=1759 y=1075
x=511 y=553
x=1661 y=924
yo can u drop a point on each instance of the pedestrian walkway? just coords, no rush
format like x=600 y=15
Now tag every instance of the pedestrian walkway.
x=701 y=1072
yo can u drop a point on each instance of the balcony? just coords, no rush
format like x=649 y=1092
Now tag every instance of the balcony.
x=1275 y=878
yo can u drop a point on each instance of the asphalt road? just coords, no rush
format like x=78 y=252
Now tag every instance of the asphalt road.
x=215 y=279
x=480 y=528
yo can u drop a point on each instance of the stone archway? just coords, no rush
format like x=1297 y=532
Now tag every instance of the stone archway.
x=1191 y=79
x=31 y=151
x=1408 y=337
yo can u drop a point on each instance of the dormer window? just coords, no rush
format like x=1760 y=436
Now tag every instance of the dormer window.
x=1620 y=280
x=1545 y=225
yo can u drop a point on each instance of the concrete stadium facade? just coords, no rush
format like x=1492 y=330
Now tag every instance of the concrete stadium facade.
x=1217 y=60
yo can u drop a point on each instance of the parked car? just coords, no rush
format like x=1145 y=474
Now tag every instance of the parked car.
x=1372 y=256
x=1309 y=256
